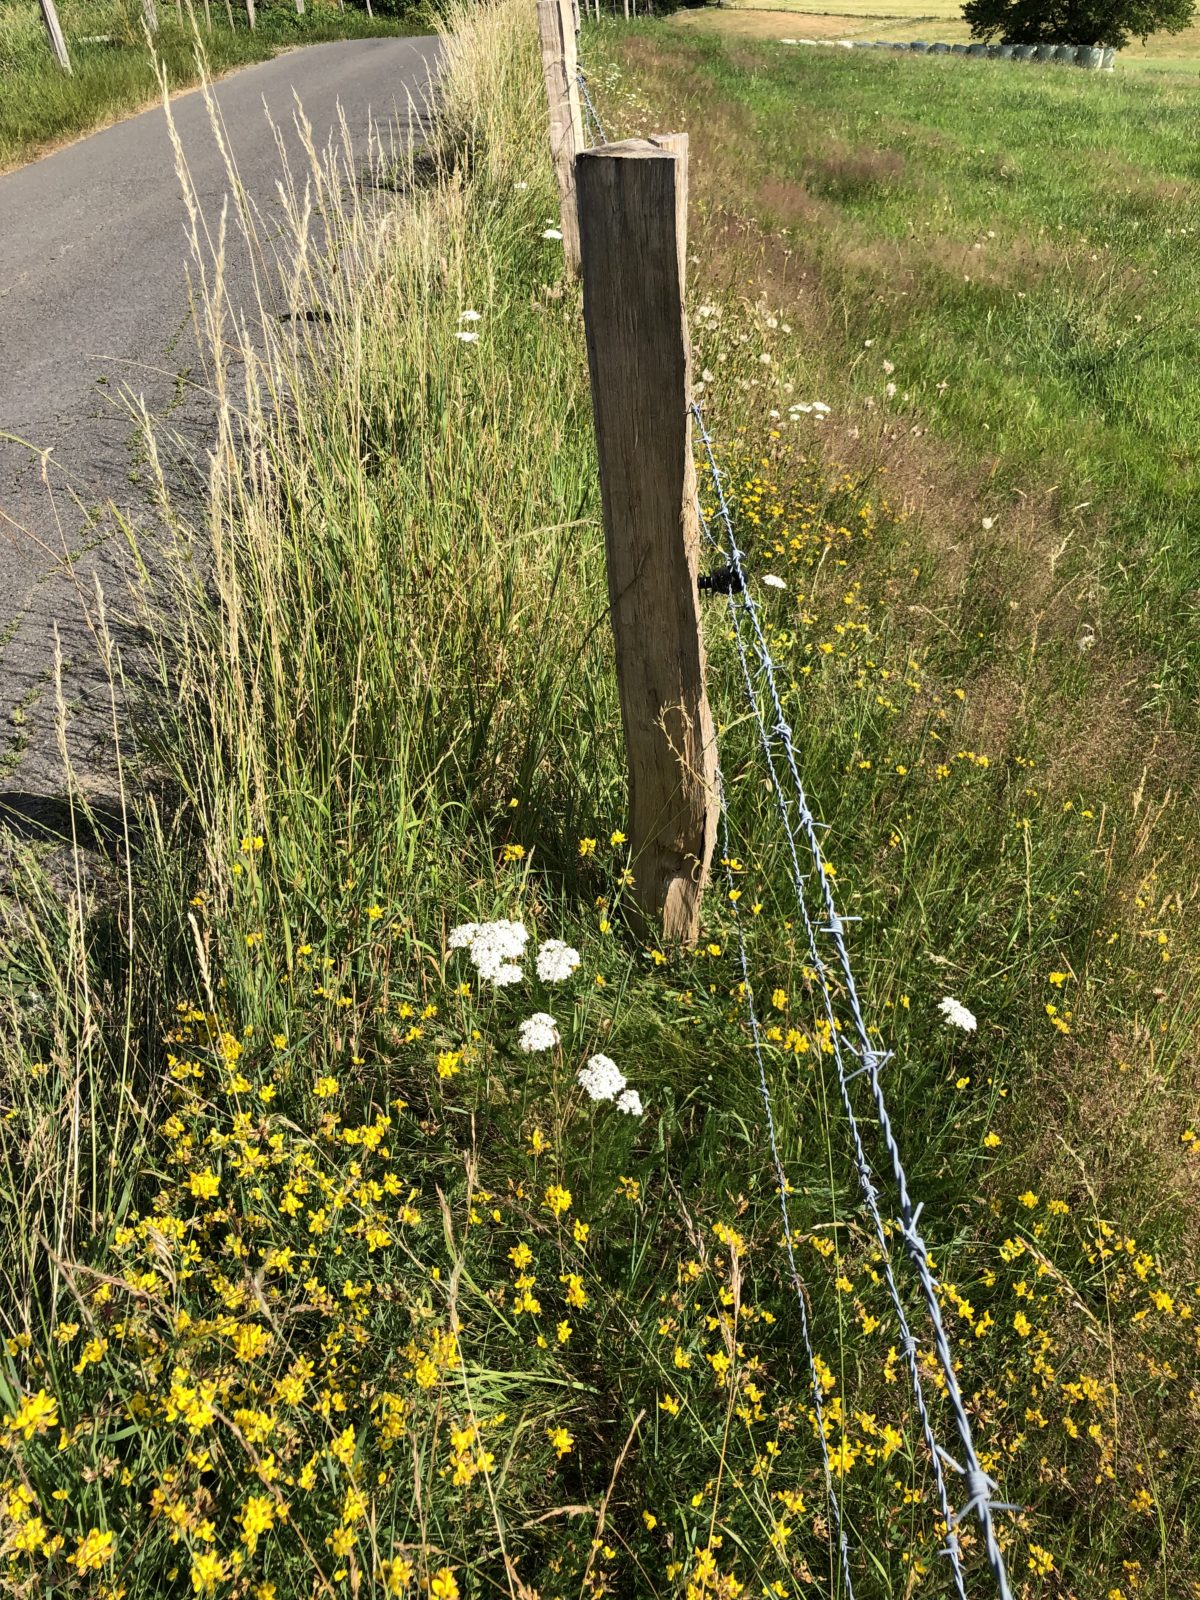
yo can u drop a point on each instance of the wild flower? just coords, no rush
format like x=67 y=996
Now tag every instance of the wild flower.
x=467 y=338
x=556 y=961
x=538 y=1032
x=469 y=316
x=494 y=948
x=773 y=582
x=551 y=233
x=630 y=1102
x=956 y=1014
x=601 y=1077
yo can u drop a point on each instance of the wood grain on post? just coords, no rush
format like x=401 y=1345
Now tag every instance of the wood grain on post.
x=150 y=12
x=633 y=232
x=54 y=28
x=251 y=17
x=559 y=67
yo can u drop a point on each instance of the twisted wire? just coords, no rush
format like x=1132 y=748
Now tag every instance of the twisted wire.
x=593 y=114
x=979 y=1484
x=782 y=1185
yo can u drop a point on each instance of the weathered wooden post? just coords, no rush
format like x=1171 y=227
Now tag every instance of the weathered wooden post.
x=54 y=28
x=299 y=8
x=633 y=233
x=560 y=69
x=251 y=16
x=150 y=13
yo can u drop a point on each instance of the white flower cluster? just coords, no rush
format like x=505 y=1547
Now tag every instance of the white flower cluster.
x=957 y=1015
x=494 y=947
x=556 y=961
x=537 y=1033
x=601 y=1077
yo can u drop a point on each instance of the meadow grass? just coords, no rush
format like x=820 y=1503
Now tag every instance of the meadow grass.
x=114 y=73
x=905 y=20
x=315 y=1281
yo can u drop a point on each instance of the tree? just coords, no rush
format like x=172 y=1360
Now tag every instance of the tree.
x=1088 y=22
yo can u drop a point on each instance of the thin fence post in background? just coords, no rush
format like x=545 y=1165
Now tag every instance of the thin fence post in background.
x=150 y=12
x=251 y=18
x=559 y=66
x=54 y=28
x=299 y=8
x=633 y=232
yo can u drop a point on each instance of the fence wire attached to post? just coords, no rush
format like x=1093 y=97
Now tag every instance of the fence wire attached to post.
x=592 y=114
x=870 y=1058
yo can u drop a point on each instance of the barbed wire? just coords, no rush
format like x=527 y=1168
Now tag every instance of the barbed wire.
x=593 y=114
x=803 y=832
x=871 y=1060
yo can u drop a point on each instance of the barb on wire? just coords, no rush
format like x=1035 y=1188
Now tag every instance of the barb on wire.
x=593 y=114
x=804 y=830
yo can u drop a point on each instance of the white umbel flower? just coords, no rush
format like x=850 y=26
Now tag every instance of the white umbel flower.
x=537 y=1033
x=556 y=961
x=957 y=1015
x=465 y=337
x=630 y=1102
x=494 y=947
x=469 y=316
x=773 y=582
x=551 y=233
x=601 y=1077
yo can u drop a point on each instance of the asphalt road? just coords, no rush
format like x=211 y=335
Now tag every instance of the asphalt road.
x=93 y=312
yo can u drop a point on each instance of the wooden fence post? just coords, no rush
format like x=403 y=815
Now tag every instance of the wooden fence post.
x=633 y=233
x=54 y=28
x=251 y=17
x=560 y=68
x=150 y=12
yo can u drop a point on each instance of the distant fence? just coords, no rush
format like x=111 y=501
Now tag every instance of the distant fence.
x=1092 y=58
x=624 y=227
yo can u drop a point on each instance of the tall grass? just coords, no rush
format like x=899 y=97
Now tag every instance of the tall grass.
x=315 y=1279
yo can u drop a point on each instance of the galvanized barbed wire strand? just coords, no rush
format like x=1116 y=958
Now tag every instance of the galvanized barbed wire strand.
x=782 y=1185
x=979 y=1484
x=581 y=76
x=861 y=1162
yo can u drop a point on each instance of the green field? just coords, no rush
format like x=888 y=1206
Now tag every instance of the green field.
x=932 y=20
x=316 y=1280
x=114 y=73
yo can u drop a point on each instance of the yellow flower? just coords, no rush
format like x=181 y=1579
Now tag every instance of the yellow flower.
x=514 y=852
x=991 y=1140
x=37 y=1413
x=374 y=913
x=208 y=1570
x=396 y=1575
x=558 y=1199
x=204 y=1185
x=616 y=837
x=443 y=1586
x=92 y=1551
x=1022 y=1324
x=1058 y=979
x=256 y=1516
x=1028 y=1199
x=324 y=1088
x=587 y=847
x=562 y=1441
x=448 y=1063
x=1041 y=1562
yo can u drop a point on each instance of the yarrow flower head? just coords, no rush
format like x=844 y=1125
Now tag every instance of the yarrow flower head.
x=601 y=1077
x=957 y=1015
x=551 y=233
x=494 y=947
x=467 y=338
x=556 y=961
x=773 y=582
x=538 y=1033
x=630 y=1102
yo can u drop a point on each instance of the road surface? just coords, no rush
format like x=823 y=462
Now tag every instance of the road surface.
x=93 y=310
